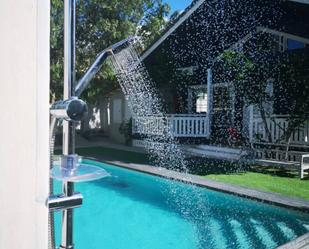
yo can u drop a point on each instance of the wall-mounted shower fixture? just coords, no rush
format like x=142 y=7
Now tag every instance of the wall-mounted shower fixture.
x=71 y=110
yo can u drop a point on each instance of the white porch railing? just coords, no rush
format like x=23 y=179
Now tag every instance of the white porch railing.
x=277 y=126
x=180 y=125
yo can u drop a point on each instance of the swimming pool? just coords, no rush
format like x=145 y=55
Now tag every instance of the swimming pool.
x=133 y=210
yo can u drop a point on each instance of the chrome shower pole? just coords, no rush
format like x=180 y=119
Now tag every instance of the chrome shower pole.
x=68 y=126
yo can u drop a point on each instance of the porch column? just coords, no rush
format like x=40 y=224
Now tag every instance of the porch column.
x=251 y=123
x=209 y=98
x=190 y=104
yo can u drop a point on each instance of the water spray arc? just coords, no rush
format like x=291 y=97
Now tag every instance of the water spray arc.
x=70 y=111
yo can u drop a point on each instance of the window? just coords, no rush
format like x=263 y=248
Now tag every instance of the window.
x=223 y=98
x=285 y=43
x=269 y=104
x=281 y=42
x=269 y=89
x=293 y=44
x=201 y=103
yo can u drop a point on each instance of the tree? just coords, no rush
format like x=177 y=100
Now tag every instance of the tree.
x=100 y=23
x=289 y=74
x=250 y=78
x=292 y=80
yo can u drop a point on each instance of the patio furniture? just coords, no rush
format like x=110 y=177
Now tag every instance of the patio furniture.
x=304 y=165
x=301 y=166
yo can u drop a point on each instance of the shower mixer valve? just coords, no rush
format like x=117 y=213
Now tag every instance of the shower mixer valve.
x=73 y=109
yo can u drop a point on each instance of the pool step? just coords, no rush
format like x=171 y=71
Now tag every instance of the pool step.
x=301 y=242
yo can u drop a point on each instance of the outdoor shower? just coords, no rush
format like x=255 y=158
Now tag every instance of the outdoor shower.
x=69 y=111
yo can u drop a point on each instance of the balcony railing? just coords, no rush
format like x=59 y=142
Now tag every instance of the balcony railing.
x=179 y=125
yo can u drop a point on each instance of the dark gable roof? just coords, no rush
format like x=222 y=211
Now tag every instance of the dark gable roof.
x=290 y=23
x=300 y=1
x=295 y=21
x=213 y=27
x=174 y=25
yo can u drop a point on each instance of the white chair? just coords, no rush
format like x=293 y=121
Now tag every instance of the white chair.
x=303 y=165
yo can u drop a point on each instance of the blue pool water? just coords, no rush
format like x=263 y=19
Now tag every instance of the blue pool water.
x=132 y=210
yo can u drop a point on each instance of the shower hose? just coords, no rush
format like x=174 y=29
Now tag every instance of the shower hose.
x=51 y=221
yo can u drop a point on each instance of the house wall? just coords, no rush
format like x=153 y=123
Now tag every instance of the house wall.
x=108 y=115
x=24 y=124
x=119 y=113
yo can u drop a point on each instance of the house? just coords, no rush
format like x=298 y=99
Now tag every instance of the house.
x=202 y=106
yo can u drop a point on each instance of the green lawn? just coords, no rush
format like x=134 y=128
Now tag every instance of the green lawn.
x=288 y=186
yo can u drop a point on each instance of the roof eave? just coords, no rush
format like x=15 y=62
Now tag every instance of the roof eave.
x=299 y=1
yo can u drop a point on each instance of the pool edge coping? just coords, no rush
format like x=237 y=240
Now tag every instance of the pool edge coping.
x=258 y=195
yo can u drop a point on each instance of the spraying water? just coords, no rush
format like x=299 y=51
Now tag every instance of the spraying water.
x=144 y=102
x=164 y=150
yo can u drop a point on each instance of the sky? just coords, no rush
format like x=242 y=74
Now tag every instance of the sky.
x=178 y=4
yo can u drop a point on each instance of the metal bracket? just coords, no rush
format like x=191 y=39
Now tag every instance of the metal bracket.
x=62 y=202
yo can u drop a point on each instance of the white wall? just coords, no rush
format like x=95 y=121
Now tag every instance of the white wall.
x=108 y=115
x=24 y=123
x=113 y=111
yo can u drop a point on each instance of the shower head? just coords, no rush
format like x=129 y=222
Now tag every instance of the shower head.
x=124 y=43
x=96 y=66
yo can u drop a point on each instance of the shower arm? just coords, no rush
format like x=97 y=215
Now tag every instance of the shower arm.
x=97 y=64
